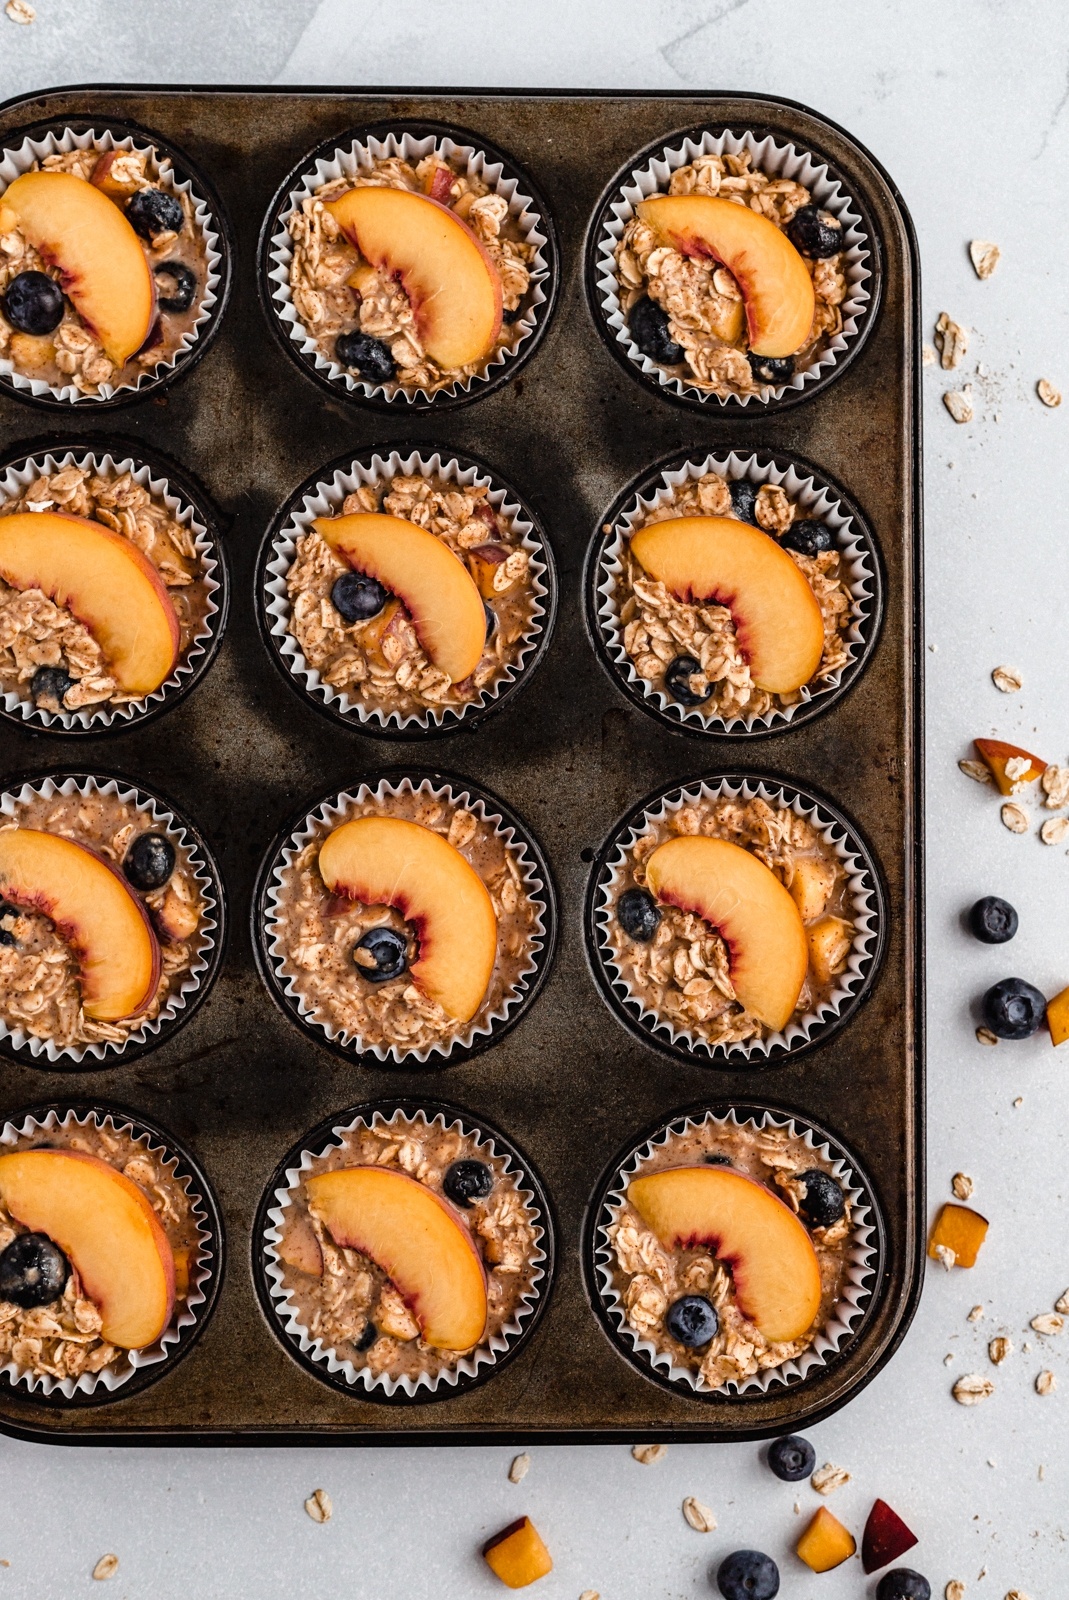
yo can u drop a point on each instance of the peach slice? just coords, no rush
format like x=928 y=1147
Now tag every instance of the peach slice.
x=772 y=1260
x=104 y=923
x=751 y=910
x=386 y=861
x=960 y=1230
x=995 y=753
x=451 y=282
x=518 y=1555
x=435 y=587
x=1058 y=1017
x=729 y=563
x=885 y=1538
x=103 y=269
x=825 y=1543
x=774 y=280
x=416 y=1238
x=103 y=580
x=105 y=1225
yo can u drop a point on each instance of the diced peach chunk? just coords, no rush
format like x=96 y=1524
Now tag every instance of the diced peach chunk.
x=886 y=1537
x=1058 y=1017
x=30 y=352
x=829 y=945
x=825 y=1543
x=995 y=754
x=517 y=1554
x=960 y=1230
x=811 y=885
x=486 y=562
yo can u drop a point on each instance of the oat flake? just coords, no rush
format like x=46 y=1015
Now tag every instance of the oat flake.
x=590 y=1594
x=520 y=1467
x=998 y=1350
x=318 y=1506
x=971 y=1389
x=984 y=256
x=1055 y=830
x=1046 y=1383
x=828 y=1478
x=1055 y=785
x=978 y=771
x=1049 y=395
x=1009 y=680
x=1014 y=817
x=107 y=1566
x=952 y=341
x=1017 y=767
x=976 y=1314
x=648 y=1454
x=1048 y=1322
x=1016 y=1594
x=22 y=11
x=955 y=1590
x=962 y=1185
x=959 y=403
x=985 y=1036
x=927 y=356
x=945 y=1256
x=699 y=1517
x=1062 y=1304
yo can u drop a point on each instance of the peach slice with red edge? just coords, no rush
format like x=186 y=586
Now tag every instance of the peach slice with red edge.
x=745 y=902
x=434 y=585
x=775 y=282
x=518 y=1555
x=451 y=282
x=885 y=1538
x=104 y=580
x=825 y=1544
x=417 y=1239
x=108 y=1230
x=75 y=227
x=388 y=861
x=772 y=1260
x=721 y=561
x=962 y=1231
x=995 y=753
x=101 y=919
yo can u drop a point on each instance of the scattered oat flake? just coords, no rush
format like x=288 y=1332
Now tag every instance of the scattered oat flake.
x=1048 y=1322
x=952 y=340
x=971 y=1389
x=1049 y=395
x=22 y=11
x=976 y=1314
x=999 y=1349
x=107 y=1566
x=1014 y=817
x=828 y=1478
x=959 y=403
x=962 y=1185
x=955 y=1590
x=984 y=256
x=1046 y=1383
x=1009 y=680
x=1062 y=1304
x=590 y=1594
x=519 y=1468
x=985 y=1036
x=699 y=1517
x=648 y=1454
x=978 y=771
x=927 y=356
x=318 y=1506
x=1019 y=1101
x=948 y=1359
x=1055 y=830
x=1055 y=785
x=945 y=1256
x=1018 y=767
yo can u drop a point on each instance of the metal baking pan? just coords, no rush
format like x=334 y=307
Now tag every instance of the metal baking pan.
x=240 y=1083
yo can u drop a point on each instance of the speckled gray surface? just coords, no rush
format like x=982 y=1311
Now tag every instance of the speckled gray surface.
x=967 y=104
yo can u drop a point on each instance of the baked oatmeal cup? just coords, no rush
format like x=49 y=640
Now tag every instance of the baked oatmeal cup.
x=410 y=920
x=734 y=920
x=427 y=294
x=137 y=284
x=733 y=1249
x=87 y=673
x=111 y=916
x=428 y=641
x=405 y=1251
x=693 y=662
x=110 y=1253
x=799 y=301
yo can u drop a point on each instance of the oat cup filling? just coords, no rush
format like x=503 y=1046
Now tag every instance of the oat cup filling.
x=405 y=1252
x=110 y=1253
x=111 y=915
x=733 y=1250
x=407 y=592
x=409 y=265
x=735 y=920
x=733 y=268
x=410 y=920
x=113 y=264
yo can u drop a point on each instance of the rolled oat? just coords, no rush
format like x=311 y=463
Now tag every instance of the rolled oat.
x=828 y=1478
x=959 y=403
x=984 y=256
x=1008 y=679
x=649 y=1454
x=697 y=1516
x=961 y=1185
x=998 y=1349
x=1014 y=817
x=970 y=1390
x=1049 y=395
x=106 y=1568
x=1046 y=1383
x=952 y=341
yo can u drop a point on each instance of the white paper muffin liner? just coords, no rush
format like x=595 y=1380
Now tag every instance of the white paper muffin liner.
x=336 y=811
x=778 y=161
x=95 y=718
x=849 y=1309
x=347 y=162
x=857 y=567
x=860 y=879
x=96 y=1054
x=471 y=1365
x=14 y=162
x=186 y=1311
x=326 y=500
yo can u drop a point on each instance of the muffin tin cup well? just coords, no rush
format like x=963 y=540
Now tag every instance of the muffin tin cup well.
x=323 y=495
x=331 y=811
x=649 y=173
x=801 y=1034
x=176 y=173
x=19 y=1045
x=343 y=157
x=140 y=1367
x=189 y=505
x=815 y=496
x=865 y=1256
x=321 y=1360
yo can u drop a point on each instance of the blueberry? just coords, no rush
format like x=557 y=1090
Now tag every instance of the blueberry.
x=491 y=621
x=6 y=937
x=744 y=498
x=815 y=233
x=717 y=1160
x=808 y=538
x=357 y=596
x=388 y=952
x=367 y=1337
x=33 y=303
x=150 y=212
x=677 y=676
x=50 y=683
x=33 y=1271
x=369 y=358
x=748 y=1575
x=638 y=915
x=1013 y=1009
x=903 y=1584
x=823 y=1203
x=771 y=369
x=185 y=285
x=466 y=1181
x=791 y=1458
x=649 y=329
x=992 y=921
x=149 y=861
x=692 y=1320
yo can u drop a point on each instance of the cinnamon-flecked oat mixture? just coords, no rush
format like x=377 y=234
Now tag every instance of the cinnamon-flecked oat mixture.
x=386 y=667
x=335 y=292
x=36 y=632
x=352 y=1306
x=649 y=1277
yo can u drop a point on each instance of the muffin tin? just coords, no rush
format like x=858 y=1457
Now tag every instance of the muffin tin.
x=571 y=428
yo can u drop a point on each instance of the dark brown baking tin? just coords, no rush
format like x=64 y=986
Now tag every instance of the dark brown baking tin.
x=571 y=756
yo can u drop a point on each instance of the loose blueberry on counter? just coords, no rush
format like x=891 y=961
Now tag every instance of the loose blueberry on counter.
x=677 y=676
x=467 y=1181
x=50 y=683
x=748 y=1575
x=992 y=921
x=717 y=1160
x=823 y=1204
x=357 y=596
x=791 y=1458
x=815 y=233
x=903 y=1584
x=771 y=369
x=33 y=303
x=1013 y=1009
x=808 y=538
x=638 y=914
x=389 y=953
x=33 y=1271
x=185 y=285
x=491 y=621
x=649 y=329
x=692 y=1319
x=744 y=499
x=150 y=212
x=369 y=358
x=149 y=861
x=368 y=1337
